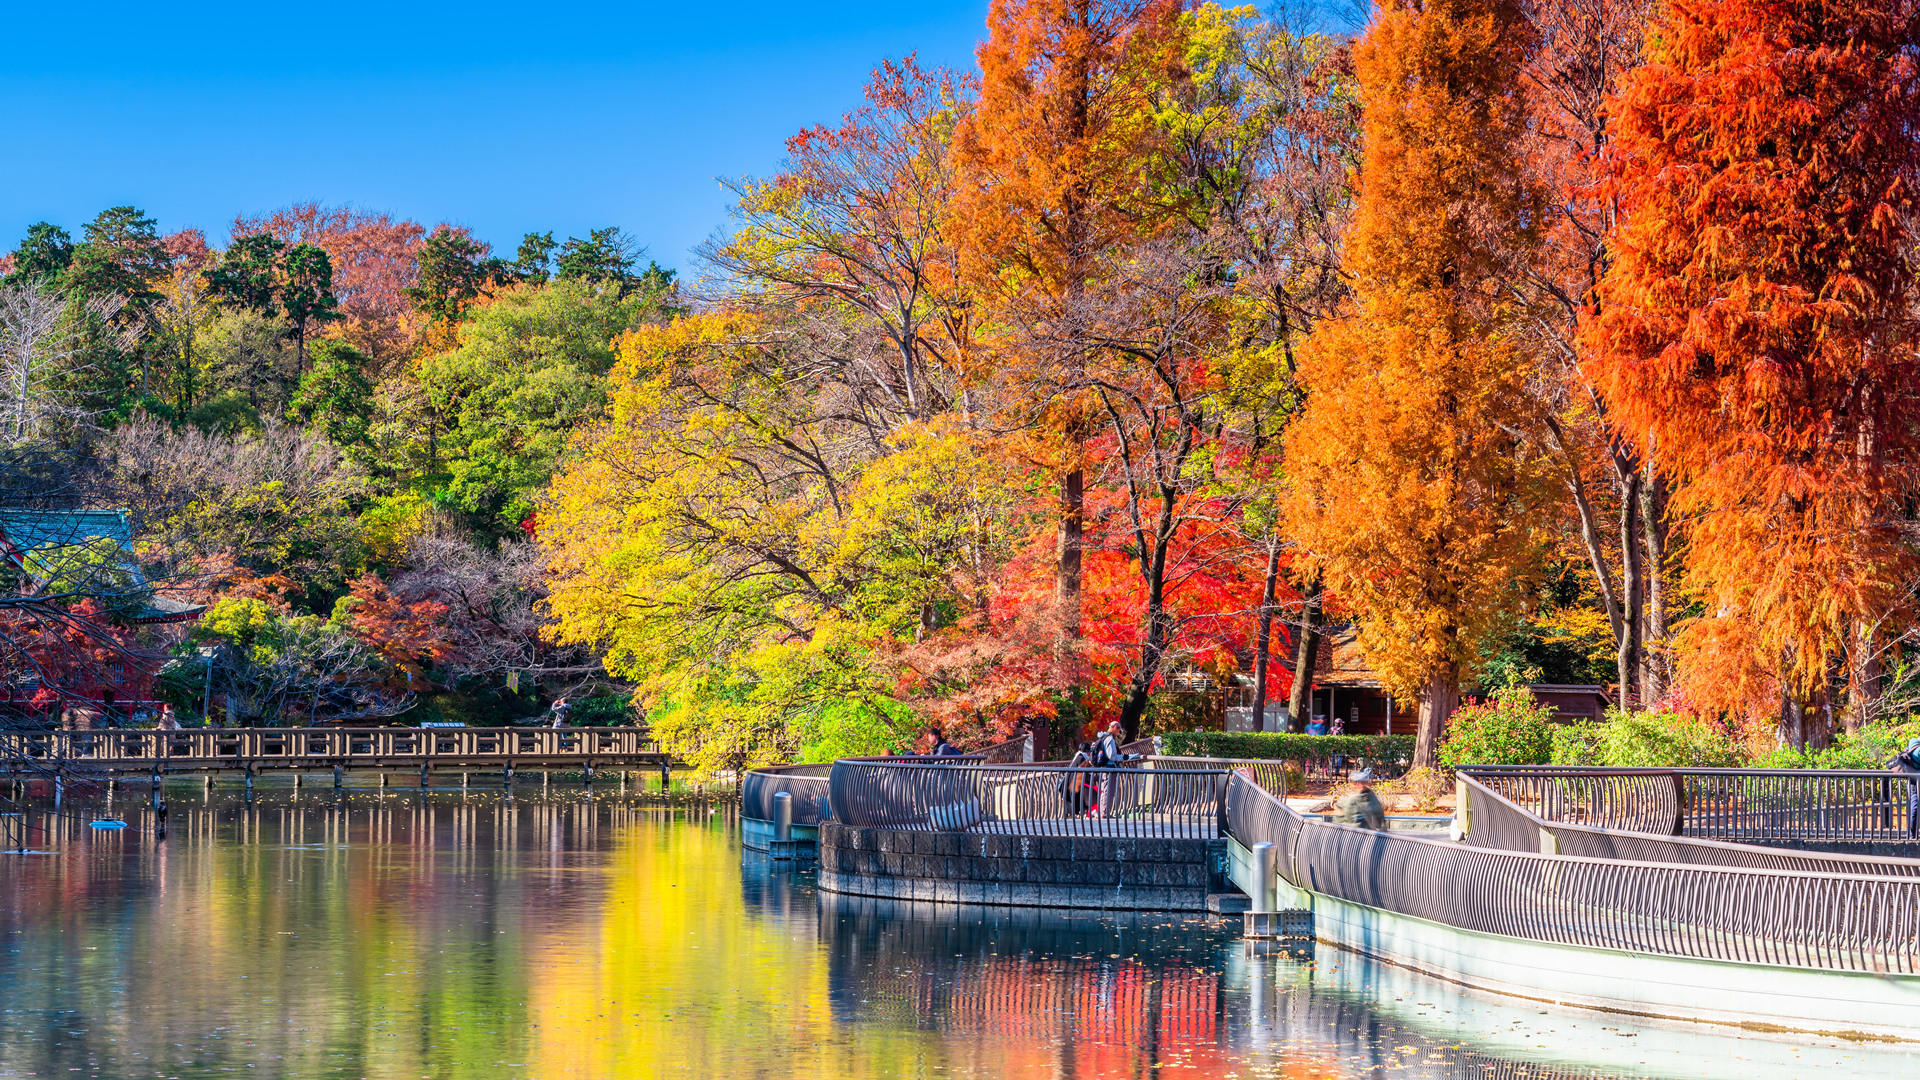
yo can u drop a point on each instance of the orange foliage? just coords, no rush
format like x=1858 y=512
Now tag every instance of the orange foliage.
x=411 y=637
x=1756 y=329
x=1411 y=484
x=373 y=261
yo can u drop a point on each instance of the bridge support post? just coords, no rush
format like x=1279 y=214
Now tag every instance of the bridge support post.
x=249 y=776
x=546 y=777
x=426 y=776
x=666 y=775
x=206 y=782
x=297 y=777
x=463 y=781
x=586 y=774
x=155 y=781
x=506 y=776
x=338 y=777
x=383 y=778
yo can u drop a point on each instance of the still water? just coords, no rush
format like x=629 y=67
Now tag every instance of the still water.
x=450 y=934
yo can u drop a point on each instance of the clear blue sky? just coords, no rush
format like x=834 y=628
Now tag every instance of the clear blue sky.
x=562 y=115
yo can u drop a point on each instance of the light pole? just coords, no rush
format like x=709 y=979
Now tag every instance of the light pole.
x=206 y=697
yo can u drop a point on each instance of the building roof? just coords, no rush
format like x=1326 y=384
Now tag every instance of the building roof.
x=33 y=540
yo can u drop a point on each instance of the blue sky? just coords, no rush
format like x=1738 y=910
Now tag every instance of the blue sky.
x=562 y=115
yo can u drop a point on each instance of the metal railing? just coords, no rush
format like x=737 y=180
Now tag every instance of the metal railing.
x=1492 y=821
x=806 y=784
x=1029 y=800
x=1745 y=805
x=1832 y=921
x=215 y=747
x=1270 y=775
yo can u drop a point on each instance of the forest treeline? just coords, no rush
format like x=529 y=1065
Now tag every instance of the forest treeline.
x=1568 y=341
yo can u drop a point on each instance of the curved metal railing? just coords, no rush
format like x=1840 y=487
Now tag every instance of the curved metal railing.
x=1029 y=800
x=1832 y=921
x=806 y=784
x=1492 y=821
x=1743 y=805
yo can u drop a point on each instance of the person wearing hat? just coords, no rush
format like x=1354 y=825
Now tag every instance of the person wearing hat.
x=1908 y=761
x=1360 y=807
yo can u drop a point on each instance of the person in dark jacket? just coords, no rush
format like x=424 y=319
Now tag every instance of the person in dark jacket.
x=941 y=747
x=1908 y=762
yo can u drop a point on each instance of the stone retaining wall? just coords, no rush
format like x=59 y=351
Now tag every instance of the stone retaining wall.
x=1023 y=871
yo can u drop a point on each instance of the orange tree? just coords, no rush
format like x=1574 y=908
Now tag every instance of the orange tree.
x=1757 y=323
x=1413 y=482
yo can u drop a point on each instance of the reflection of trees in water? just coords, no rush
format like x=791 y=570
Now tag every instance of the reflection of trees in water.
x=1160 y=989
x=357 y=934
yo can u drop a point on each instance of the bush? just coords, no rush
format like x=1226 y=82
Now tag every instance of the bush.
x=1283 y=746
x=1871 y=748
x=1649 y=740
x=604 y=710
x=1511 y=728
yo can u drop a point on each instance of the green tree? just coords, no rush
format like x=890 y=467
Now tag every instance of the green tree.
x=336 y=395
x=531 y=263
x=529 y=370
x=306 y=293
x=120 y=256
x=246 y=275
x=454 y=270
x=45 y=254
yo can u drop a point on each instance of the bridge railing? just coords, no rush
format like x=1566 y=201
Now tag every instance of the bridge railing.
x=1833 y=921
x=1488 y=819
x=1755 y=806
x=134 y=749
x=805 y=784
x=1035 y=800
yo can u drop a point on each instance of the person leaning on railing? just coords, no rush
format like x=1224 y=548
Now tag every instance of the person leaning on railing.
x=1908 y=761
x=1360 y=807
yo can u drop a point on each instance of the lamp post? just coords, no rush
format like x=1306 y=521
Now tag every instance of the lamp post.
x=206 y=697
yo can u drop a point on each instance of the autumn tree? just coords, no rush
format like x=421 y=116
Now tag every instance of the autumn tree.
x=1755 y=329
x=1413 y=480
x=1048 y=162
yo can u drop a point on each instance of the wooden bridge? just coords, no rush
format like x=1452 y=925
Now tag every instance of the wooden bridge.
x=254 y=750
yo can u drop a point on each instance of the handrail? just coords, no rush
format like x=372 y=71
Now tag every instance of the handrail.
x=143 y=748
x=1028 y=799
x=1829 y=921
x=1493 y=821
x=1741 y=805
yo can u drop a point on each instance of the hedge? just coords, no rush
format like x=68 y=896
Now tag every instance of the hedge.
x=1281 y=746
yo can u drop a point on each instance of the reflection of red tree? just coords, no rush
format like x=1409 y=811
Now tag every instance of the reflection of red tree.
x=1111 y=1013
x=81 y=656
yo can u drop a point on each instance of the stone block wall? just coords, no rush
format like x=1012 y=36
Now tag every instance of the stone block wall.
x=1087 y=873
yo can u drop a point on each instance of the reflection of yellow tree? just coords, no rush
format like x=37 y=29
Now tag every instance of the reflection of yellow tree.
x=679 y=979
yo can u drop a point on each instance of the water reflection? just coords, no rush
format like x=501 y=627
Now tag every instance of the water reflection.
x=449 y=935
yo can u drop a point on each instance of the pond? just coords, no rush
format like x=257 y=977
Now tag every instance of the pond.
x=398 y=934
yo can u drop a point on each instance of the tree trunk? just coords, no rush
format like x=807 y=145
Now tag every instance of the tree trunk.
x=1072 y=525
x=1438 y=698
x=1306 y=655
x=1865 y=674
x=1655 y=659
x=1263 y=646
x=1793 y=721
x=1627 y=654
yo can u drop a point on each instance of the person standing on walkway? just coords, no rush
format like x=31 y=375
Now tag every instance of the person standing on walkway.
x=1908 y=762
x=562 y=713
x=1107 y=755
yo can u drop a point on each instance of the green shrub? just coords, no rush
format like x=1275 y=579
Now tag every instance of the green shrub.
x=1648 y=740
x=604 y=710
x=1510 y=728
x=1871 y=748
x=1283 y=746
